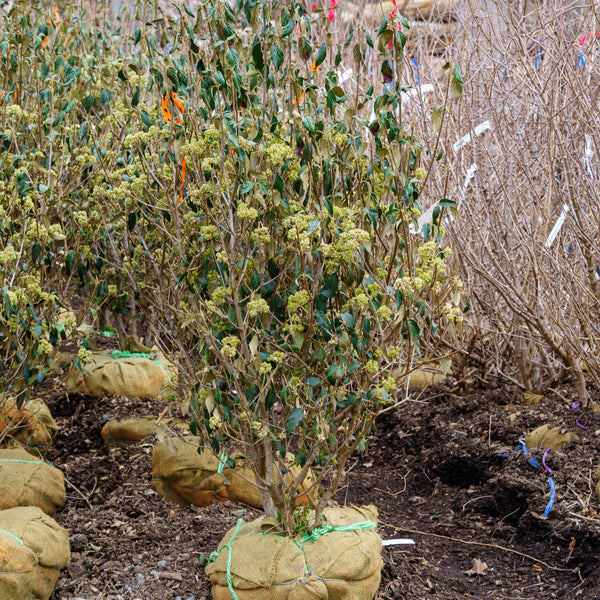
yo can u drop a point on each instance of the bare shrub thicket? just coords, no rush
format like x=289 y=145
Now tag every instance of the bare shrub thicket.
x=531 y=74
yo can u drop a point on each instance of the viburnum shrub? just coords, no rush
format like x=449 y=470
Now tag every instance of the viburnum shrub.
x=44 y=159
x=274 y=237
x=242 y=185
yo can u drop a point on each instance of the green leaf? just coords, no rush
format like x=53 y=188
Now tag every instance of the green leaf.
x=426 y=230
x=321 y=55
x=313 y=225
x=131 y=221
x=44 y=70
x=88 y=102
x=273 y=269
x=83 y=130
x=219 y=78
x=322 y=320
x=69 y=262
x=348 y=320
x=366 y=325
x=277 y=56
x=36 y=251
x=287 y=28
x=382 y=27
x=247 y=187
x=456 y=82
x=294 y=420
x=172 y=75
x=233 y=58
x=308 y=124
x=414 y=330
x=331 y=100
x=152 y=43
x=257 y=55
x=447 y=202
x=137 y=35
x=457 y=74
x=105 y=97
x=313 y=381
x=146 y=120
x=467 y=305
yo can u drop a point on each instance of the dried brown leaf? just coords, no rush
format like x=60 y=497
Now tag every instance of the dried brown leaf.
x=478 y=568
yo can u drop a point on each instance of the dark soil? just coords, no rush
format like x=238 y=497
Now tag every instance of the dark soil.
x=434 y=470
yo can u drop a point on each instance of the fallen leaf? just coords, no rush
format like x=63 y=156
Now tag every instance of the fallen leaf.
x=478 y=568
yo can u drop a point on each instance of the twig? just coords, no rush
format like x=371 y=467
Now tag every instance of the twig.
x=473 y=500
x=396 y=493
x=80 y=493
x=597 y=521
x=486 y=545
x=162 y=415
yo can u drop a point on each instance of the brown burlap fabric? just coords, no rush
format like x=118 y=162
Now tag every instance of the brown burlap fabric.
x=32 y=427
x=40 y=438
x=27 y=481
x=184 y=476
x=33 y=549
x=130 y=431
x=340 y=564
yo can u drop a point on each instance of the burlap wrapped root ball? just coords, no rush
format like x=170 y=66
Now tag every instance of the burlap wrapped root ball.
x=33 y=549
x=183 y=475
x=342 y=563
x=27 y=481
x=31 y=426
x=135 y=429
x=122 y=373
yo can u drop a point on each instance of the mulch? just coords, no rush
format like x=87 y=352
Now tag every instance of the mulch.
x=435 y=468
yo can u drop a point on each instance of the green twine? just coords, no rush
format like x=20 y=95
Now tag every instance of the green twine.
x=116 y=354
x=12 y=535
x=222 y=463
x=317 y=532
x=36 y=462
x=214 y=555
x=126 y=354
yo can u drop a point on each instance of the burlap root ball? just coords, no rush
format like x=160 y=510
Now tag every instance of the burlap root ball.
x=33 y=550
x=340 y=564
x=121 y=373
x=183 y=475
x=31 y=426
x=27 y=481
